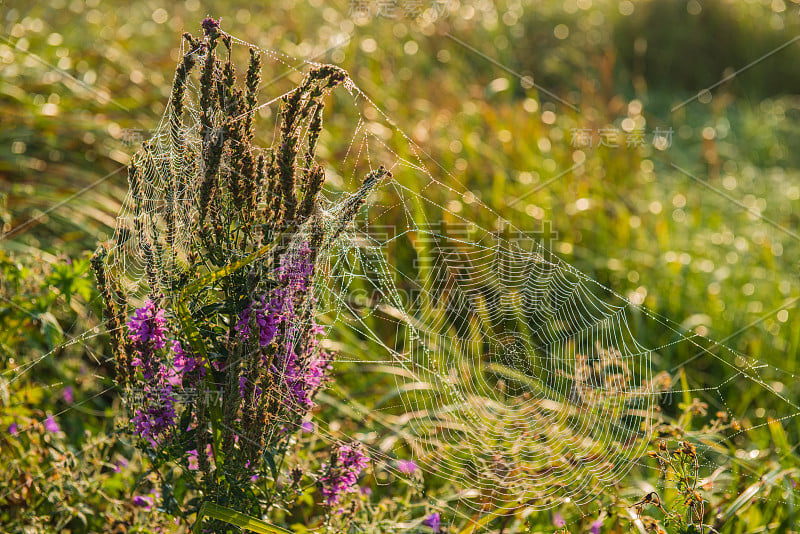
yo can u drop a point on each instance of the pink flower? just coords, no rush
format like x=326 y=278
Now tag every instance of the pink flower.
x=171 y=377
x=193 y=462
x=558 y=520
x=50 y=425
x=407 y=467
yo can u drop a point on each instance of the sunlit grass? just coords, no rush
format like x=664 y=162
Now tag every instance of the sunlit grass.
x=625 y=216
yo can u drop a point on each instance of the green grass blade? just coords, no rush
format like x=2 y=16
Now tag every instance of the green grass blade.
x=232 y=517
x=744 y=499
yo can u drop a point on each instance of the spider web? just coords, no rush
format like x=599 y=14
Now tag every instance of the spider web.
x=517 y=379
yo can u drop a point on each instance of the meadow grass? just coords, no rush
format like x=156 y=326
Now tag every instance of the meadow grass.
x=632 y=218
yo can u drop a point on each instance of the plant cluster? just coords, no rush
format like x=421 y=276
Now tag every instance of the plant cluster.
x=222 y=360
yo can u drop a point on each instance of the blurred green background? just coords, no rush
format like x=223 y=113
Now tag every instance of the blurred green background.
x=700 y=226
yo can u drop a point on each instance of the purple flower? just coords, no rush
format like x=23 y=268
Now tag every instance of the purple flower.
x=303 y=364
x=143 y=502
x=596 y=524
x=242 y=384
x=50 y=425
x=264 y=317
x=295 y=270
x=558 y=520
x=13 y=428
x=68 y=394
x=119 y=465
x=298 y=359
x=307 y=427
x=433 y=521
x=407 y=467
x=303 y=376
x=147 y=327
x=184 y=363
x=156 y=416
x=341 y=475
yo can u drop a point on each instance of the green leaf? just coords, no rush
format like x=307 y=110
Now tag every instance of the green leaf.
x=269 y=457
x=232 y=517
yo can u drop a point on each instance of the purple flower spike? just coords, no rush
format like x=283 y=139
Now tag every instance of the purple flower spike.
x=302 y=365
x=558 y=520
x=307 y=427
x=13 y=428
x=407 y=467
x=264 y=315
x=433 y=521
x=341 y=476
x=157 y=415
x=147 y=329
x=596 y=525
x=69 y=394
x=148 y=324
x=304 y=380
x=242 y=384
